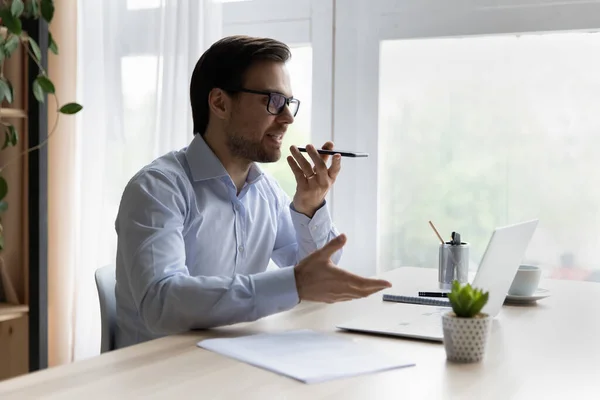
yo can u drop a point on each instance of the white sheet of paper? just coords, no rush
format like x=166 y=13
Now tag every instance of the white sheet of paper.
x=305 y=355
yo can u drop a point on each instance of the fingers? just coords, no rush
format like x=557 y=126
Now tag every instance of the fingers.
x=318 y=160
x=375 y=283
x=363 y=287
x=367 y=290
x=352 y=293
x=336 y=166
x=298 y=173
x=366 y=287
x=334 y=245
x=302 y=162
x=362 y=282
x=327 y=146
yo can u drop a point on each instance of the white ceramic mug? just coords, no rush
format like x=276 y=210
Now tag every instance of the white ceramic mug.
x=526 y=280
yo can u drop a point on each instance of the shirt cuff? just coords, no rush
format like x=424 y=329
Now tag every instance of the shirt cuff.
x=315 y=229
x=275 y=291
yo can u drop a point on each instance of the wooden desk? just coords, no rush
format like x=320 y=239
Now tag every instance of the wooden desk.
x=536 y=352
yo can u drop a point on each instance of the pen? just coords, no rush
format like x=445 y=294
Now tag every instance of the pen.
x=433 y=294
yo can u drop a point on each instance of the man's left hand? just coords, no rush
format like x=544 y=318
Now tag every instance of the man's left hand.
x=312 y=183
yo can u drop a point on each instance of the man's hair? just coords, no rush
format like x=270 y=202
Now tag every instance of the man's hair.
x=224 y=65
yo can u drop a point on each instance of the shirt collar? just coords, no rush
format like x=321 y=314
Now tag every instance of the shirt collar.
x=204 y=164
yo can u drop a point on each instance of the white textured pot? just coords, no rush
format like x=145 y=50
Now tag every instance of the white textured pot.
x=465 y=339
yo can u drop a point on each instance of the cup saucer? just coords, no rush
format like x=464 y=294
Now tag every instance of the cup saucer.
x=538 y=295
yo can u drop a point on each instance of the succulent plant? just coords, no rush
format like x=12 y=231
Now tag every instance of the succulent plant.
x=466 y=301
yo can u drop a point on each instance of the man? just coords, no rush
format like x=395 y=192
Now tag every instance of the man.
x=197 y=227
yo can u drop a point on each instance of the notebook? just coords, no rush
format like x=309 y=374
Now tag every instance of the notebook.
x=428 y=301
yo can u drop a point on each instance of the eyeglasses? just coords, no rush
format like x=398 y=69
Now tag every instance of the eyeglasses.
x=276 y=102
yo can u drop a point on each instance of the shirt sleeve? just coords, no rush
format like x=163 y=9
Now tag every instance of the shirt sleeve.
x=298 y=235
x=151 y=251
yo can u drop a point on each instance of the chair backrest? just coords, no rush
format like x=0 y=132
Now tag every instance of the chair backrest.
x=105 y=282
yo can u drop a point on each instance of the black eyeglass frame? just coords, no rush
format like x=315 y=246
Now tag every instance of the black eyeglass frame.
x=288 y=100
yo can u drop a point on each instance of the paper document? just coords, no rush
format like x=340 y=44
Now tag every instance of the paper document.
x=306 y=355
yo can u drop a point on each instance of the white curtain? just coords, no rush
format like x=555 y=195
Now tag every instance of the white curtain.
x=135 y=60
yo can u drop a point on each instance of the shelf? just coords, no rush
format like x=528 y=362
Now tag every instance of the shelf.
x=12 y=113
x=6 y=308
x=11 y=311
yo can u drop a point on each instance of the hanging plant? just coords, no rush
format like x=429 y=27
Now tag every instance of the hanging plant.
x=12 y=35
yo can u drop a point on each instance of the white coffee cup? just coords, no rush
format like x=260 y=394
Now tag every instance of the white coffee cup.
x=526 y=280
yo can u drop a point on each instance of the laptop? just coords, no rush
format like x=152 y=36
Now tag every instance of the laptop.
x=504 y=252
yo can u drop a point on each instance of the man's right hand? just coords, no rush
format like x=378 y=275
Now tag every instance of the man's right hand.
x=319 y=279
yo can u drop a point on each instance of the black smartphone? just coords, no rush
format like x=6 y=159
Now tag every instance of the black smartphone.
x=340 y=152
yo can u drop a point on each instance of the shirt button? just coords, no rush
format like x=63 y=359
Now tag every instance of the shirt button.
x=314 y=227
x=241 y=248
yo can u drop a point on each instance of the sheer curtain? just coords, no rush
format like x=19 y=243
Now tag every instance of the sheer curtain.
x=135 y=60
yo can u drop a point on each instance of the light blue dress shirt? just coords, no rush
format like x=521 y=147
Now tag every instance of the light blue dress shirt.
x=193 y=254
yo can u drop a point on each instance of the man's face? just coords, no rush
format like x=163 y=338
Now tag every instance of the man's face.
x=253 y=133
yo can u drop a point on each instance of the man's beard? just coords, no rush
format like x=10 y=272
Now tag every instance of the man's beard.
x=248 y=149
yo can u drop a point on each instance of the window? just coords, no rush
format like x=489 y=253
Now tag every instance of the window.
x=485 y=132
x=476 y=115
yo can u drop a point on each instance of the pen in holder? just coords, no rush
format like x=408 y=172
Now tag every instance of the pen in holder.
x=453 y=260
x=454 y=264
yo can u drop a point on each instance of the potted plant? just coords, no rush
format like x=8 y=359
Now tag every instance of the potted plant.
x=466 y=328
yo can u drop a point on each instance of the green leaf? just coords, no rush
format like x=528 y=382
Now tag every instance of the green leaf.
x=6 y=90
x=45 y=83
x=27 y=13
x=465 y=298
x=70 y=108
x=14 y=136
x=467 y=301
x=6 y=139
x=455 y=286
x=11 y=138
x=3 y=206
x=11 y=44
x=37 y=91
x=47 y=10
x=52 y=44
x=31 y=9
x=12 y=23
x=17 y=7
x=479 y=303
x=453 y=297
x=3 y=188
x=35 y=48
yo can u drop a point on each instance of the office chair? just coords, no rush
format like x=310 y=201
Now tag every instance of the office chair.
x=105 y=283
